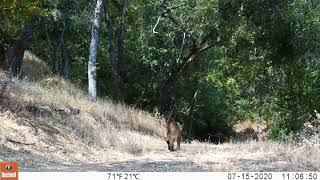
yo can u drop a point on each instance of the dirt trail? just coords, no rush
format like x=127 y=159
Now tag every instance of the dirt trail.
x=192 y=157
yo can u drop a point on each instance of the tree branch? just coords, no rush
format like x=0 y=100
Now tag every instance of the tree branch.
x=178 y=22
x=155 y=26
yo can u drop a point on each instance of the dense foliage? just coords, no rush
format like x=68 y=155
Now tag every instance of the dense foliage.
x=210 y=64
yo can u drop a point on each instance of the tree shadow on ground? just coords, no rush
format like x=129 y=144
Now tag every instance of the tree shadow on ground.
x=29 y=162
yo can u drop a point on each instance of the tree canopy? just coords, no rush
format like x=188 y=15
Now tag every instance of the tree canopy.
x=209 y=64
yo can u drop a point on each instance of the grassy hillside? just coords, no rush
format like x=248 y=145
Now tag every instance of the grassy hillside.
x=103 y=125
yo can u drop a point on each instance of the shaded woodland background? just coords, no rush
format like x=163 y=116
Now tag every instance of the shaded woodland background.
x=209 y=64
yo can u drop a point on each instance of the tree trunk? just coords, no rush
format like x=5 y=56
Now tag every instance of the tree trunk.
x=112 y=52
x=58 y=53
x=174 y=75
x=121 y=49
x=16 y=50
x=192 y=106
x=195 y=49
x=15 y=56
x=66 y=65
x=92 y=74
x=170 y=83
x=2 y=49
x=60 y=49
x=2 y=56
x=49 y=43
x=190 y=126
x=116 y=52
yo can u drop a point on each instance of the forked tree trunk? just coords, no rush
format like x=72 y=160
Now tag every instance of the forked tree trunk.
x=15 y=56
x=92 y=69
x=16 y=50
x=169 y=84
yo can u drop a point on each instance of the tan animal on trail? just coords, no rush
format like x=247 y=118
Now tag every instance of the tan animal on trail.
x=174 y=133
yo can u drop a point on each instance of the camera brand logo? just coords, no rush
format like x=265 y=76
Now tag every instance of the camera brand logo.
x=8 y=171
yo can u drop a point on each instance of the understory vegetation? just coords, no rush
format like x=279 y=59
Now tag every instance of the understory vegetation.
x=108 y=136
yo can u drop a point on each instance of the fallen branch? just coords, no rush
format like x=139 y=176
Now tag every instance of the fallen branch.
x=33 y=126
x=18 y=142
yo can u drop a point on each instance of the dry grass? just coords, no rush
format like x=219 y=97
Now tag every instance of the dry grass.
x=254 y=156
x=102 y=124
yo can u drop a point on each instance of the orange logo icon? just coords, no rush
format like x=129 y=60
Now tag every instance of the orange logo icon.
x=8 y=171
